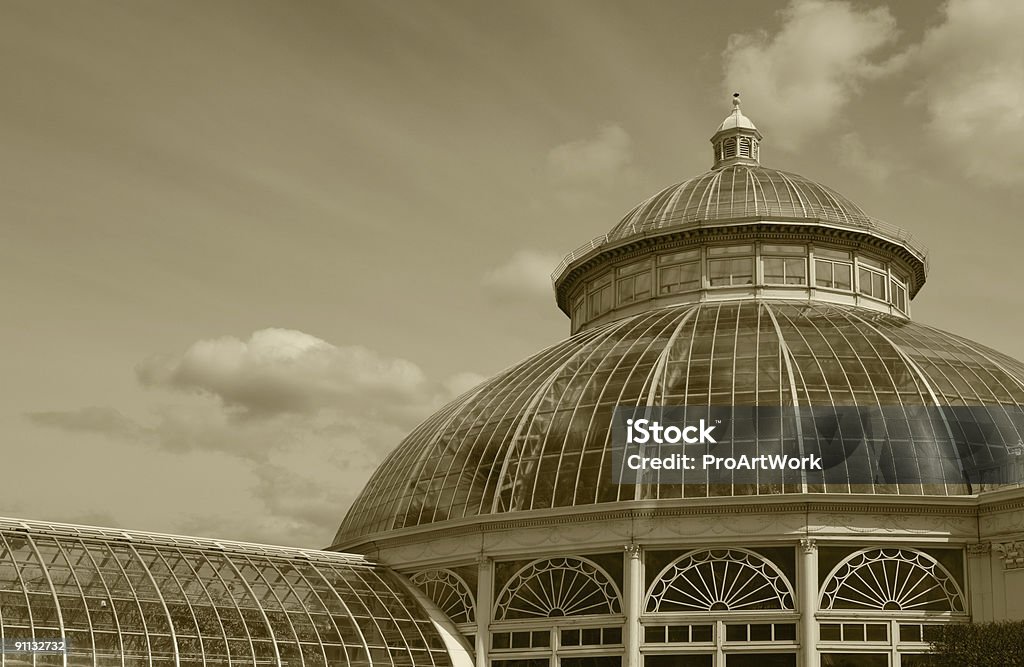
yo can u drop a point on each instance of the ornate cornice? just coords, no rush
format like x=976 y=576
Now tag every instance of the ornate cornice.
x=952 y=507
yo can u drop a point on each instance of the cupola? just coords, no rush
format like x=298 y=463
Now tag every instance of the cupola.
x=737 y=141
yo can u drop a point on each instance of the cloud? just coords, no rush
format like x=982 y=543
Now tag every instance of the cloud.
x=99 y=420
x=316 y=421
x=970 y=70
x=855 y=156
x=602 y=159
x=280 y=371
x=526 y=273
x=797 y=81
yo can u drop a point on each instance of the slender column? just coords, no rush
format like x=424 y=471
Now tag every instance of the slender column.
x=484 y=602
x=633 y=593
x=807 y=590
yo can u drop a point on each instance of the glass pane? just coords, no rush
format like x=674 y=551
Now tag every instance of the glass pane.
x=780 y=249
x=831 y=253
x=723 y=272
x=681 y=278
x=774 y=270
x=730 y=250
x=679 y=257
x=679 y=660
x=701 y=633
x=761 y=660
x=854 y=660
x=843 y=276
x=831 y=632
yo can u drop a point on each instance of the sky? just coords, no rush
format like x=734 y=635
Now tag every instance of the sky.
x=246 y=246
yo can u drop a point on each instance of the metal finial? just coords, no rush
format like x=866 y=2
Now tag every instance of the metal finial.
x=736 y=100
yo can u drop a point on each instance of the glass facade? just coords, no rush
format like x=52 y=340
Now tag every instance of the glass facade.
x=537 y=435
x=133 y=599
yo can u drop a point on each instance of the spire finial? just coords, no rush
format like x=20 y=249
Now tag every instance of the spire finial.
x=736 y=100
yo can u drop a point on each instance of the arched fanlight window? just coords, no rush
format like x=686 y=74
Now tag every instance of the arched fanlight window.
x=720 y=580
x=557 y=587
x=892 y=580
x=449 y=592
x=729 y=148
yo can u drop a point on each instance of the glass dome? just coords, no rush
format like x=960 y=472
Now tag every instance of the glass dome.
x=739 y=191
x=537 y=435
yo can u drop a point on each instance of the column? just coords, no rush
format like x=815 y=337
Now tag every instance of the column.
x=979 y=581
x=633 y=592
x=807 y=591
x=484 y=602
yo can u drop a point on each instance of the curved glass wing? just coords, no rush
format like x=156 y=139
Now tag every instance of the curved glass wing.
x=119 y=598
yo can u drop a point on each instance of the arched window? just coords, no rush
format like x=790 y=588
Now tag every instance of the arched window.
x=744 y=146
x=891 y=580
x=557 y=587
x=449 y=592
x=729 y=148
x=720 y=580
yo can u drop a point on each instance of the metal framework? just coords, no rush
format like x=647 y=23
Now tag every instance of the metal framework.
x=449 y=592
x=123 y=598
x=892 y=580
x=558 y=587
x=537 y=435
x=720 y=580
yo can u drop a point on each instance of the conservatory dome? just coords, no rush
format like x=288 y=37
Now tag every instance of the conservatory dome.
x=743 y=286
x=537 y=436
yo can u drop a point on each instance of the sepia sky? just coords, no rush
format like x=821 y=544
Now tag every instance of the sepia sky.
x=246 y=246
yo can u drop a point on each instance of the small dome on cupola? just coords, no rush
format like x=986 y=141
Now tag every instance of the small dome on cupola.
x=737 y=140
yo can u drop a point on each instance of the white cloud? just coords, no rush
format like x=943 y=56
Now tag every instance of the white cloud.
x=328 y=415
x=796 y=81
x=526 y=273
x=602 y=159
x=971 y=69
x=283 y=371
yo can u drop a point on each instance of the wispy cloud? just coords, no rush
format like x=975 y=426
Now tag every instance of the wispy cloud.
x=970 y=69
x=800 y=77
x=526 y=273
x=603 y=158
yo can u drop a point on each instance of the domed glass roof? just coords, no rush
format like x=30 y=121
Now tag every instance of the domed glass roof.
x=538 y=435
x=740 y=191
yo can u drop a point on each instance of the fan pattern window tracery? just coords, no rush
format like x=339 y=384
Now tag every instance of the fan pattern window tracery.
x=892 y=580
x=449 y=592
x=720 y=580
x=557 y=587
